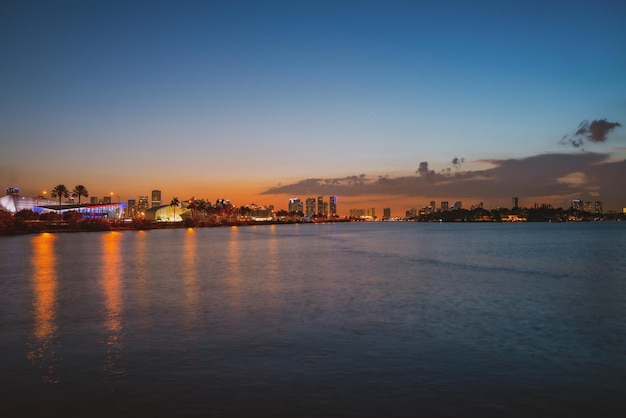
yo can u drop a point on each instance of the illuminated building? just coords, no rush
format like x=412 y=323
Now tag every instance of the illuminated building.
x=142 y=206
x=444 y=206
x=310 y=206
x=295 y=205
x=333 y=205
x=156 y=198
x=131 y=208
x=577 y=204
x=166 y=213
x=320 y=205
x=14 y=203
x=598 y=207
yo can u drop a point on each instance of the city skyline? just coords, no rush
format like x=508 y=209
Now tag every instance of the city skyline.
x=384 y=104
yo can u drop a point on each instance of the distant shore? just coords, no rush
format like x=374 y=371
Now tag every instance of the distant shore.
x=22 y=227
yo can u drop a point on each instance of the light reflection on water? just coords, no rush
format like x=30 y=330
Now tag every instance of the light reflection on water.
x=317 y=320
x=190 y=276
x=44 y=279
x=111 y=271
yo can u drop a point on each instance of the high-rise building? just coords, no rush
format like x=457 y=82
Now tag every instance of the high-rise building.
x=106 y=200
x=588 y=207
x=598 y=207
x=515 y=202
x=577 y=204
x=295 y=205
x=94 y=200
x=444 y=206
x=320 y=205
x=156 y=198
x=387 y=213
x=371 y=213
x=142 y=206
x=333 y=205
x=131 y=208
x=310 y=206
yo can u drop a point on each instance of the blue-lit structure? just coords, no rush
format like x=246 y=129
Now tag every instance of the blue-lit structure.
x=13 y=203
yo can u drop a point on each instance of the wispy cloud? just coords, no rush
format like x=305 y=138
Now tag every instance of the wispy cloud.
x=596 y=131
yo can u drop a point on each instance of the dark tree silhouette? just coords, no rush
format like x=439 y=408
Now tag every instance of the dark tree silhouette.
x=61 y=192
x=80 y=191
x=175 y=202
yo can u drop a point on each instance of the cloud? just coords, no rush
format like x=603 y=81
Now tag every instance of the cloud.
x=546 y=175
x=457 y=162
x=424 y=172
x=596 y=131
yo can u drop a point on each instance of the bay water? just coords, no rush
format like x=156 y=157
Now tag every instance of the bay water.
x=340 y=319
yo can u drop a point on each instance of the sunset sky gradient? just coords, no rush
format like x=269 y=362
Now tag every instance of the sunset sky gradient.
x=259 y=101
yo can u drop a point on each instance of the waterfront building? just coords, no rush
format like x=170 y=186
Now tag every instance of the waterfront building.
x=598 y=207
x=386 y=213
x=142 y=206
x=320 y=205
x=295 y=205
x=310 y=206
x=577 y=204
x=14 y=203
x=131 y=208
x=444 y=206
x=357 y=213
x=156 y=198
x=333 y=205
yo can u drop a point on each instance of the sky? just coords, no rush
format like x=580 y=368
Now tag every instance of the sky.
x=382 y=103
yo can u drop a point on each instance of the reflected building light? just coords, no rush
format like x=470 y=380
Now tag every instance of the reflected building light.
x=191 y=277
x=111 y=286
x=44 y=304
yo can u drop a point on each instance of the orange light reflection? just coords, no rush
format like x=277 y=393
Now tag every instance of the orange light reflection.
x=44 y=304
x=191 y=276
x=111 y=285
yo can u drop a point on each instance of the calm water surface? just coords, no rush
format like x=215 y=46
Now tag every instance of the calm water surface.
x=358 y=319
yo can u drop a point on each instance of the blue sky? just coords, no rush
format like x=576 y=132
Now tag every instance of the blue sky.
x=258 y=101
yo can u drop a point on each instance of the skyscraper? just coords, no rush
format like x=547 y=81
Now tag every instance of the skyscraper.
x=295 y=205
x=333 y=206
x=320 y=205
x=131 y=208
x=310 y=206
x=142 y=206
x=156 y=198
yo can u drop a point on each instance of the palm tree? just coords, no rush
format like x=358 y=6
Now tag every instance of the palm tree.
x=79 y=191
x=192 y=207
x=61 y=192
x=174 y=203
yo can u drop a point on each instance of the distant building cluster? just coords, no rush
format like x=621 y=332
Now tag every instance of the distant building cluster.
x=314 y=207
